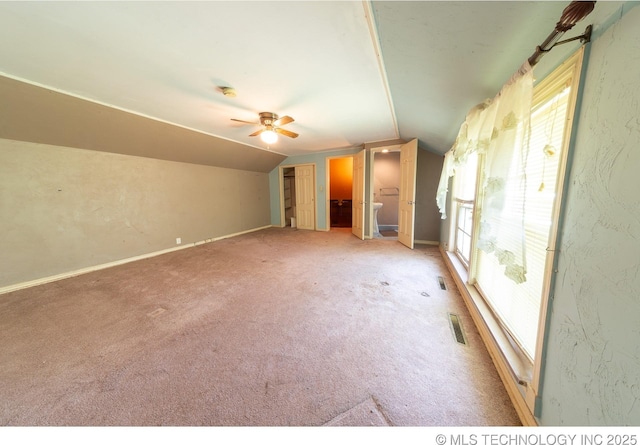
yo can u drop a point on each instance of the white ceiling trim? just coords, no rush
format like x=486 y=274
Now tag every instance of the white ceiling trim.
x=375 y=41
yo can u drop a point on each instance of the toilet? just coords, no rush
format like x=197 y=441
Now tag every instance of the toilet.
x=376 y=232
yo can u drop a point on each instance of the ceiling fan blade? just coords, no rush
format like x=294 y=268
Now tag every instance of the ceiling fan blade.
x=284 y=120
x=257 y=132
x=288 y=133
x=246 y=122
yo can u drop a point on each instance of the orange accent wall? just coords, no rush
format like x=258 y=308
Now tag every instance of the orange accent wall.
x=341 y=177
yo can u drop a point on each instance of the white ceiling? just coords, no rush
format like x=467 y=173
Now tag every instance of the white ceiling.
x=317 y=61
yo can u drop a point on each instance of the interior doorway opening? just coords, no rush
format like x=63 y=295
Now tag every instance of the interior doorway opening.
x=340 y=187
x=401 y=189
x=386 y=173
x=298 y=196
x=289 y=187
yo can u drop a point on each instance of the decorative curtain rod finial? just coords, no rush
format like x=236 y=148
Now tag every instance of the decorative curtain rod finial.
x=573 y=13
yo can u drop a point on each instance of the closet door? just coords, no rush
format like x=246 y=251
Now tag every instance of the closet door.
x=305 y=197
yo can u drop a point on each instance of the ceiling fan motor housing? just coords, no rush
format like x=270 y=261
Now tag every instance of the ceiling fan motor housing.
x=268 y=118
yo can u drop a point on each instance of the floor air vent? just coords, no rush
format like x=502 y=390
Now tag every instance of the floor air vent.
x=442 y=285
x=456 y=327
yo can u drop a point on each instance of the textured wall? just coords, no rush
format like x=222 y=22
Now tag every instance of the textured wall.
x=592 y=370
x=63 y=209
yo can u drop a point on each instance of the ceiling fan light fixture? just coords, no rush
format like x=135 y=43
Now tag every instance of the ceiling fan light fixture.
x=270 y=127
x=269 y=136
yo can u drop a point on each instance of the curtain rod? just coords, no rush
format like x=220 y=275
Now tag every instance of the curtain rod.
x=572 y=14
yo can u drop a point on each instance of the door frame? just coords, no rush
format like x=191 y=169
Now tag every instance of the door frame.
x=281 y=191
x=369 y=185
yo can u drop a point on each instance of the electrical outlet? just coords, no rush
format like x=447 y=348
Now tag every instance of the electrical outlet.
x=178 y=240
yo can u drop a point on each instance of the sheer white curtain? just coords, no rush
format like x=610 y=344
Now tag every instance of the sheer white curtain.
x=466 y=143
x=499 y=130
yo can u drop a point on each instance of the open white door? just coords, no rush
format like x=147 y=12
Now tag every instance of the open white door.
x=407 y=207
x=305 y=197
x=357 y=198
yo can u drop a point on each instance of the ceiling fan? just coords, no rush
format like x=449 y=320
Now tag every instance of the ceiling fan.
x=271 y=127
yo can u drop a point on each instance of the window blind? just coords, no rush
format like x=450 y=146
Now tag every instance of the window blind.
x=518 y=305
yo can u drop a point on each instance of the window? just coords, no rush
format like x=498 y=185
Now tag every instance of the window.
x=530 y=215
x=464 y=194
x=518 y=305
x=464 y=212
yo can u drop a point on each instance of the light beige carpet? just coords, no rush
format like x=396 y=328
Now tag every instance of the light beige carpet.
x=273 y=328
x=367 y=413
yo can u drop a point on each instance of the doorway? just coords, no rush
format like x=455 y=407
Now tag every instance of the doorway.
x=400 y=192
x=289 y=191
x=386 y=173
x=340 y=187
x=298 y=196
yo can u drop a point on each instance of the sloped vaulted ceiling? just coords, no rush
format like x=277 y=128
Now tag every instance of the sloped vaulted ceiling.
x=348 y=72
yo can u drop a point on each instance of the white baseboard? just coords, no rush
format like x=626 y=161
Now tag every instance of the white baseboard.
x=75 y=273
x=430 y=243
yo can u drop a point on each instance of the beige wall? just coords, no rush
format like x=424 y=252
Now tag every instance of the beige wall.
x=83 y=185
x=65 y=209
x=427 y=227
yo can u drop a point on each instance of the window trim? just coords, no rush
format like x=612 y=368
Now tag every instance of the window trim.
x=525 y=375
x=573 y=65
x=460 y=203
